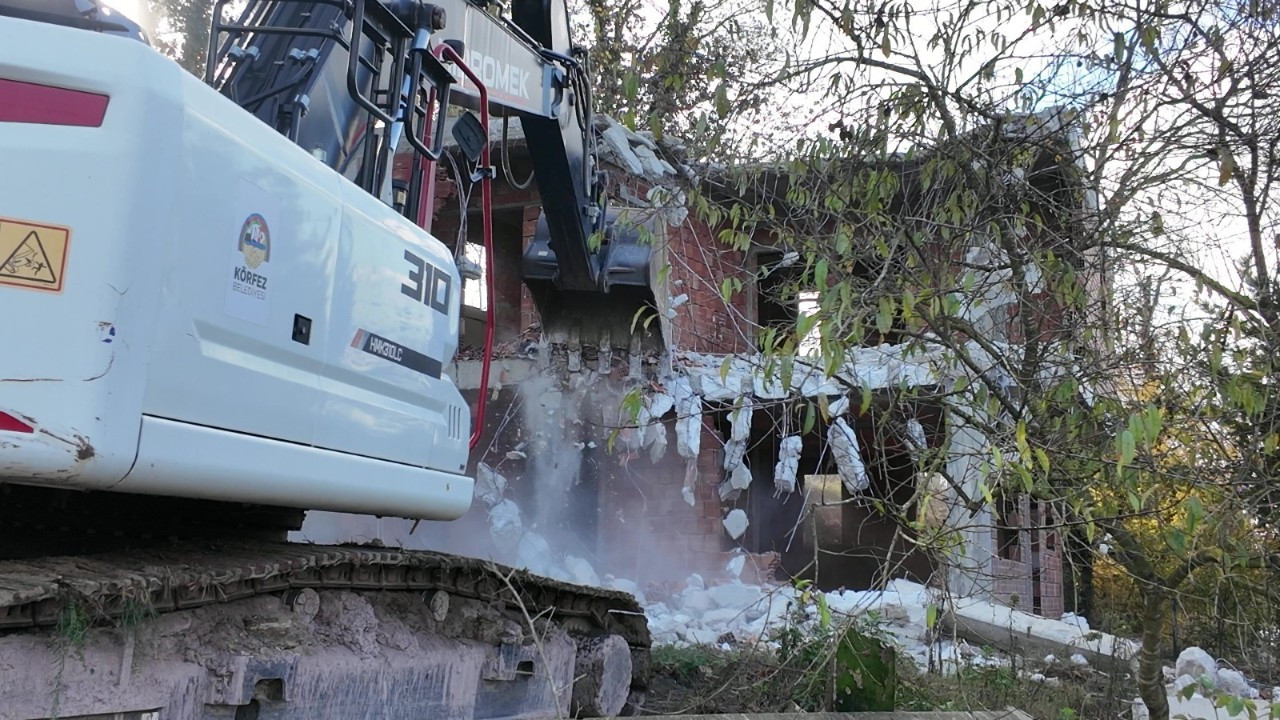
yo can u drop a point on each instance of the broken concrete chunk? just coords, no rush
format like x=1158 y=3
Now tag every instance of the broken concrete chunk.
x=616 y=138
x=1233 y=682
x=788 y=465
x=916 y=441
x=689 y=427
x=740 y=421
x=848 y=456
x=660 y=404
x=839 y=407
x=734 y=567
x=735 y=523
x=735 y=595
x=1197 y=663
x=690 y=479
x=655 y=437
x=581 y=571
x=740 y=478
x=490 y=485
x=734 y=450
x=504 y=524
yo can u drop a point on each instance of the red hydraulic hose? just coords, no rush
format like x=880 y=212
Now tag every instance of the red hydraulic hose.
x=445 y=52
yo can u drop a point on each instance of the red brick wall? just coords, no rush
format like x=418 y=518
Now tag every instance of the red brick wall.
x=648 y=531
x=1013 y=581
x=699 y=264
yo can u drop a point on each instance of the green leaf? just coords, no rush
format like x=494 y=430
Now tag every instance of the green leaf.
x=726 y=289
x=931 y=617
x=722 y=100
x=885 y=46
x=1126 y=446
x=1043 y=458
x=1135 y=502
x=820 y=274
x=986 y=493
x=1017 y=75
x=810 y=418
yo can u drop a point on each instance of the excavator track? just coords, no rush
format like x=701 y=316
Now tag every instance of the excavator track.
x=39 y=595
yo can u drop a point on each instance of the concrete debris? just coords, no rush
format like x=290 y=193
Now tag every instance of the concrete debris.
x=490 y=486
x=653 y=165
x=1234 y=683
x=848 y=456
x=626 y=586
x=615 y=137
x=788 y=465
x=739 y=479
x=655 y=438
x=516 y=455
x=735 y=523
x=1023 y=633
x=660 y=404
x=690 y=480
x=740 y=421
x=877 y=367
x=1079 y=660
x=839 y=407
x=734 y=452
x=504 y=524
x=1197 y=663
x=916 y=440
x=581 y=571
x=688 y=420
x=735 y=565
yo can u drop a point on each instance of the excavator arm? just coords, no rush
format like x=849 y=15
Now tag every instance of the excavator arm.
x=350 y=80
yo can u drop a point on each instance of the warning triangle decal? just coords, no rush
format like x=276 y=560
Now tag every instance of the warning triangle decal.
x=29 y=262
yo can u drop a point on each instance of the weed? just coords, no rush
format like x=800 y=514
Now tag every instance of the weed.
x=73 y=623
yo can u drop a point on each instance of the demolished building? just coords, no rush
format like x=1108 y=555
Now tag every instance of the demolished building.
x=605 y=461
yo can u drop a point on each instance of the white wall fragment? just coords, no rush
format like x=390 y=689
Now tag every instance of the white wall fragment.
x=788 y=465
x=848 y=457
x=735 y=523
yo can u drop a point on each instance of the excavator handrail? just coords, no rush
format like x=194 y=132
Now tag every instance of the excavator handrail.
x=446 y=53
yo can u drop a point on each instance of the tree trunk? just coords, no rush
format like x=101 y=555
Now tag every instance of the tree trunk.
x=1150 y=665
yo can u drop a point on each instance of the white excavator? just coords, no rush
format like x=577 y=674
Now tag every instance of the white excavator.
x=221 y=307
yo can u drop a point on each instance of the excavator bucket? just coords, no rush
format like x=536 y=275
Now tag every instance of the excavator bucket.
x=622 y=313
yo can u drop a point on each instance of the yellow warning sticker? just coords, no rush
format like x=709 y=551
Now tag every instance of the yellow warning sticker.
x=33 y=255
